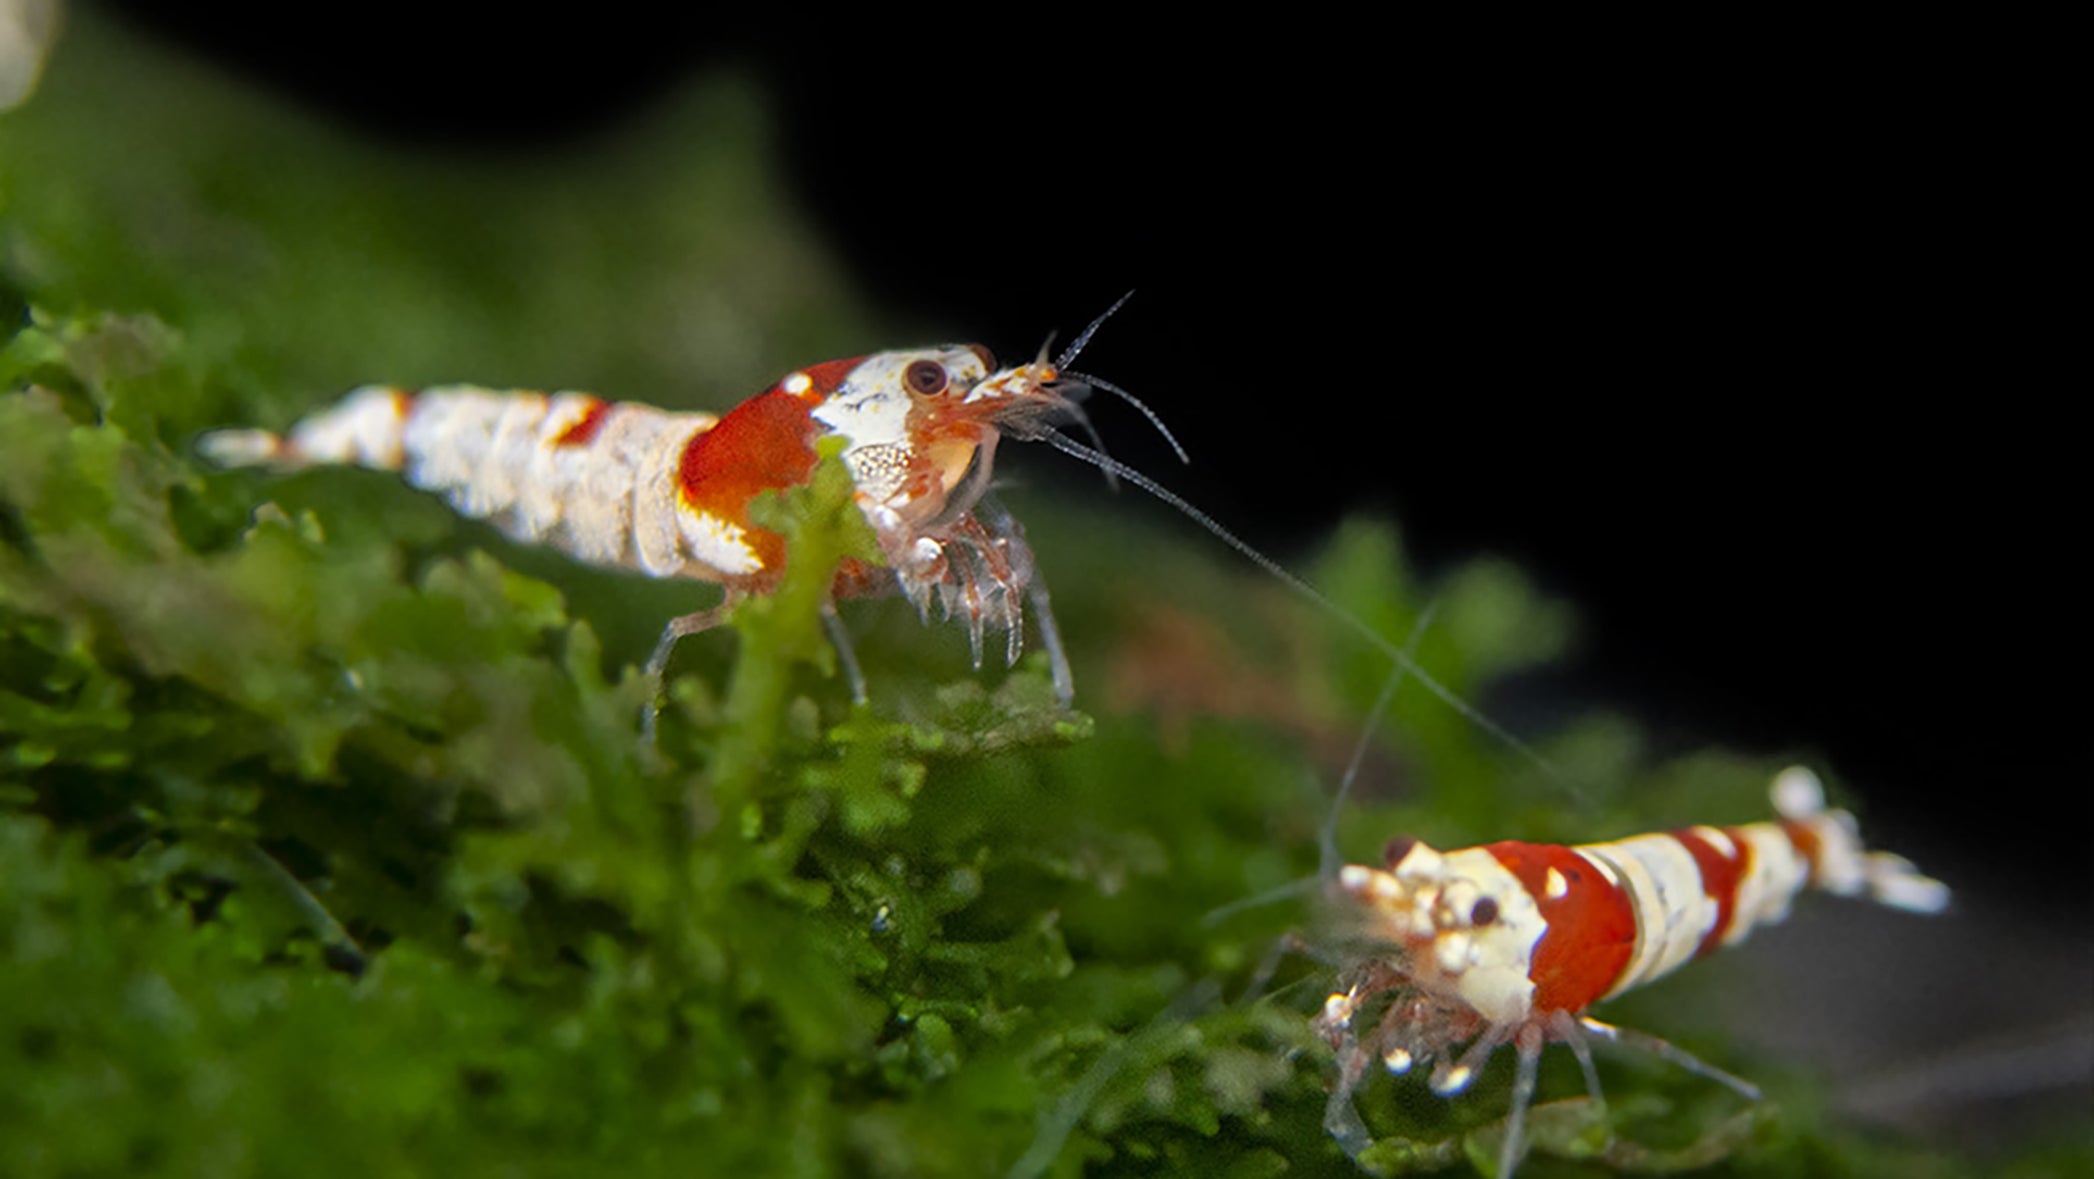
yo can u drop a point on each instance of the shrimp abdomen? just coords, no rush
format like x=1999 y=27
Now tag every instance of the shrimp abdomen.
x=591 y=478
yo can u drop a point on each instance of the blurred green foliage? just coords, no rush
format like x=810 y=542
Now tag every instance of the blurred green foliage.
x=328 y=841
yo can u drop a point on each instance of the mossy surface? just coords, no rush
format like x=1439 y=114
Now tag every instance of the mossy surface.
x=329 y=844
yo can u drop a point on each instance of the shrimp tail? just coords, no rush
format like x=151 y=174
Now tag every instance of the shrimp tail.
x=367 y=429
x=1839 y=864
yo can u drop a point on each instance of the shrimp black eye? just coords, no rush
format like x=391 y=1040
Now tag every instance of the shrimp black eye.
x=1485 y=912
x=1399 y=846
x=925 y=377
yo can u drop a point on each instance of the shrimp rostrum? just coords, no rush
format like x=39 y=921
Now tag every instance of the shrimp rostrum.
x=1463 y=952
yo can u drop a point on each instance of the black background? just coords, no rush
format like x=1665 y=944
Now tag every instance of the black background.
x=1731 y=335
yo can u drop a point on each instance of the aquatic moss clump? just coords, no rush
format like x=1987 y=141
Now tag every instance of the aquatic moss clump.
x=330 y=845
x=333 y=845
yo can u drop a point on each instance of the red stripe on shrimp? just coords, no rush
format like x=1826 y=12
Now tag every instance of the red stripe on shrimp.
x=765 y=443
x=586 y=427
x=1720 y=873
x=1591 y=933
x=1804 y=838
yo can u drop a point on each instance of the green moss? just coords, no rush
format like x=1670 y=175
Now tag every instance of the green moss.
x=328 y=841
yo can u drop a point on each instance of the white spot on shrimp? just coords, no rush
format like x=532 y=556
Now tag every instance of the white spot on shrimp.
x=1798 y=794
x=1337 y=1009
x=1556 y=886
x=718 y=543
x=1421 y=861
x=1715 y=837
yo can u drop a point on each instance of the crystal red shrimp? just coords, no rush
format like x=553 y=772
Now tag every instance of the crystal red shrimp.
x=1511 y=942
x=667 y=494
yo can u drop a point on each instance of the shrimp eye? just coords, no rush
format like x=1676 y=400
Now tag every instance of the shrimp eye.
x=926 y=377
x=1399 y=846
x=1485 y=912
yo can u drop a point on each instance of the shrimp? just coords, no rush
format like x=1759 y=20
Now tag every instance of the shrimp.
x=1511 y=942
x=667 y=494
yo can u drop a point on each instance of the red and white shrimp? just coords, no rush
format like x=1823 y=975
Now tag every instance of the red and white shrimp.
x=1511 y=942
x=667 y=494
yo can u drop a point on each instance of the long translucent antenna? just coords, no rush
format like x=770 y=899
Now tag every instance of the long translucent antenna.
x=1327 y=839
x=341 y=951
x=1136 y=402
x=1083 y=419
x=1374 y=638
x=1076 y=348
x=1057 y=1123
x=1083 y=338
x=1221 y=913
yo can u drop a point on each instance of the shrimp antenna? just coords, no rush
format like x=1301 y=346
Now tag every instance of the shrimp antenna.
x=1083 y=338
x=1327 y=859
x=1071 y=1106
x=1221 y=913
x=1085 y=380
x=1092 y=382
x=1075 y=349
x=1316 y=597
x=1327 y=840
x=1083 y=419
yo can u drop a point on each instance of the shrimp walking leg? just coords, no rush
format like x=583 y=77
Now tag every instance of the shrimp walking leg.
x=687 y=625
x=1010 y=539
x=846 y=654
x=1667 y=1050
x=1564 y=1028
x=1341 y=1118
x=1529 y=1043
x=679 y=627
